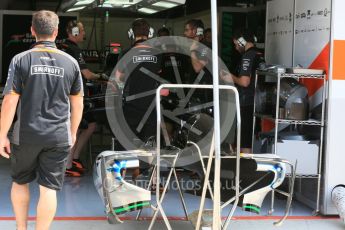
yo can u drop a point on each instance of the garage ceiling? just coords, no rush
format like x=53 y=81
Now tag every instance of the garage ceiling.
x=191 y=6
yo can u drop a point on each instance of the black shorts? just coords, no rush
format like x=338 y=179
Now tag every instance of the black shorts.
x=48 y=163
x=247 y=113
x=89 y=117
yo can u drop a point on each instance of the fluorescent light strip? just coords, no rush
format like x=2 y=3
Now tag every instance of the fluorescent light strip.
x=165 y=4
x=123 y=2
x=76 y=8
x=84 y=2
x=180 y=2
x=147 y=10
x=106 y=5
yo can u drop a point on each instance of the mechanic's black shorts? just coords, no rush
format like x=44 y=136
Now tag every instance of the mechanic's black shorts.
x=247 y=113
x=89 y=117
x=48 y=163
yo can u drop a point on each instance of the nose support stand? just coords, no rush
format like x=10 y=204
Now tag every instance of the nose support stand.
x=265 y=162
x=252 y=200
x=159 y=199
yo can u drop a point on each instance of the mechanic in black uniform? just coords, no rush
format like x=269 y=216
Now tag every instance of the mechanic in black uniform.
x=199 y=64
x=161 y=32
x=168 y=51
x=172 y=60
x=44 y=85
x=173 y=70
x=137 y=67
x=76 y=34
x=208 y=36
x=244 y=41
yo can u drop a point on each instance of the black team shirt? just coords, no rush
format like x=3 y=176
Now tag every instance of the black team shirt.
x=141 y=66
x=250 y=61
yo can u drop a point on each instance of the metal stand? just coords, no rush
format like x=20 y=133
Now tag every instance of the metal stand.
x=203 y=165
x=162 y=196
x=206 y=183
x=216 y=194
x=280 y=74
x=172 y=159
x=148 y=188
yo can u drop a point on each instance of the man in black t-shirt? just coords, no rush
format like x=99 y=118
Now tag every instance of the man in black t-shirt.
x=162 y=32
x=244 y=79
x=208 y=36
x=173 y=61
x=199 y=64
x=76 y=34
x=139 y=68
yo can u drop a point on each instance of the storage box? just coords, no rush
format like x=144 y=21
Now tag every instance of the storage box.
x=305 y=152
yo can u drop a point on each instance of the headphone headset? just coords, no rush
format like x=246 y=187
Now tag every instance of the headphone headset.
x=199 y=31
x=131 y=34
x=199 y=28
x=242 y=42
x=151 y=32
x=73 y=28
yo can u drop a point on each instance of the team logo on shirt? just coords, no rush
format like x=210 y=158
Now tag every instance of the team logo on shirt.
x=246 y=64
x=204 y=52
x=81 y=59
x=47 y=58
x=46 y=69
x=144 y=58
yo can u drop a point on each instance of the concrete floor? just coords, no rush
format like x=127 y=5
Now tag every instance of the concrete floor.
x=80 y=207
x=331 y=224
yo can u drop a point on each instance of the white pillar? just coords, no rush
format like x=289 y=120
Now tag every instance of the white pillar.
x=335 y=142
